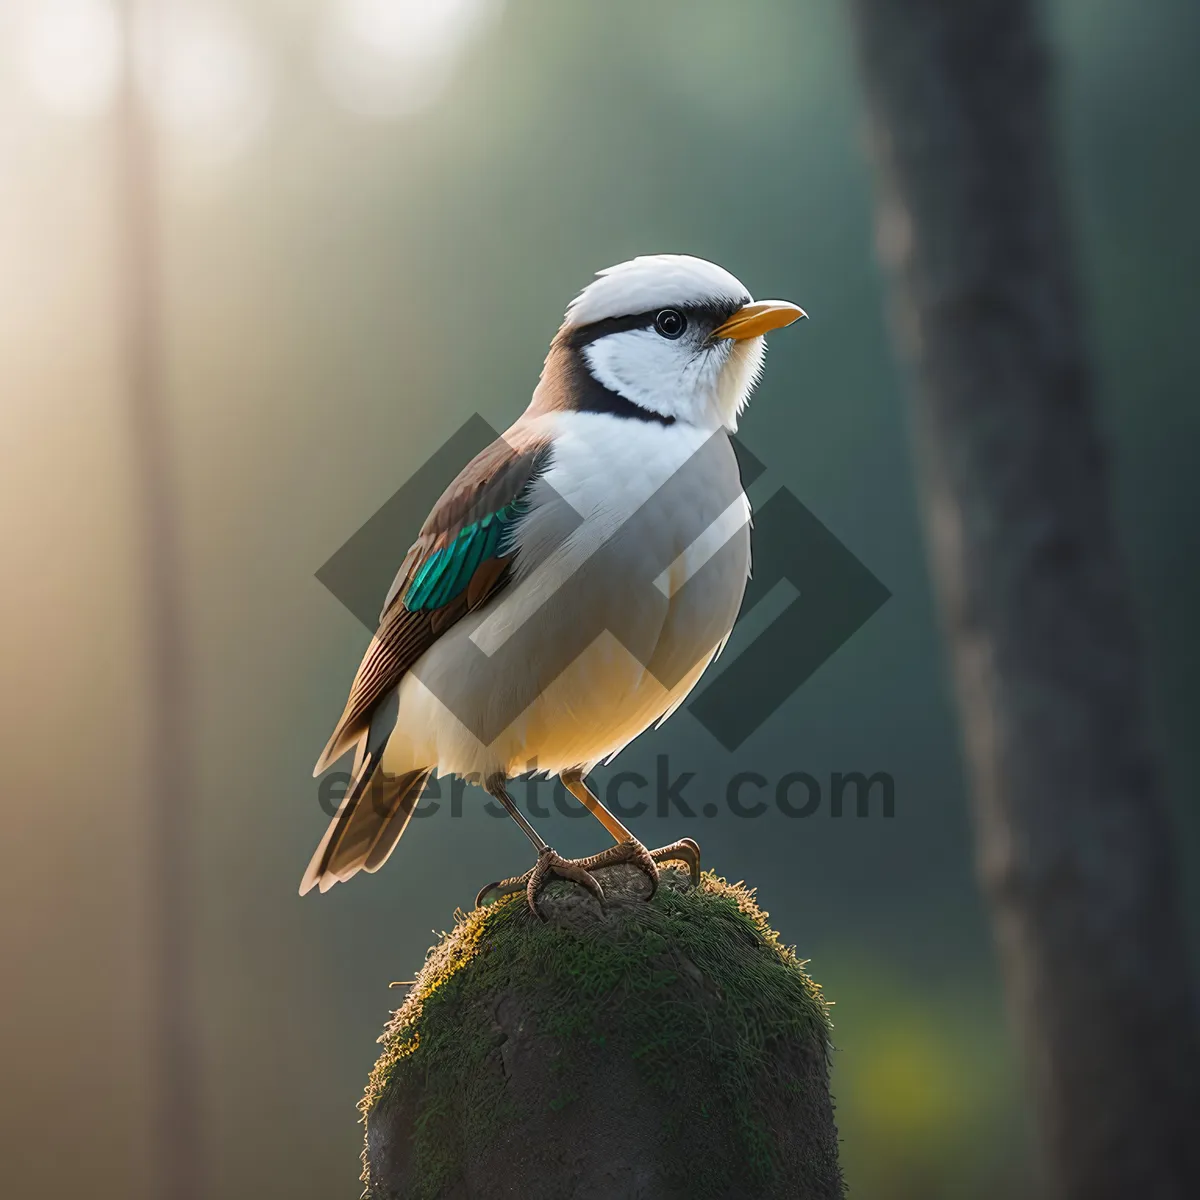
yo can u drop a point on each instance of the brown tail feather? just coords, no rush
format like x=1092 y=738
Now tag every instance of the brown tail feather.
x=368 y=825
x=341 y=740
x=402 y=809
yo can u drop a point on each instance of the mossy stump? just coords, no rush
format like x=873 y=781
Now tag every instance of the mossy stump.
x=653 y=1050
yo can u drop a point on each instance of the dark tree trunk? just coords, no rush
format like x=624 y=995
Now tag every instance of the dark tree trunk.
x=177 y=1166
x=1073 y=841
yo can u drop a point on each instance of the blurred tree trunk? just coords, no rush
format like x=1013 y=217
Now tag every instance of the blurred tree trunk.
x=177 y=1166
x=1073 y=840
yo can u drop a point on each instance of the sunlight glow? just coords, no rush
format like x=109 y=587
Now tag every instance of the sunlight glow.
x=208 y=83
x=205 y=77
x=391 y=58
x=68 y=55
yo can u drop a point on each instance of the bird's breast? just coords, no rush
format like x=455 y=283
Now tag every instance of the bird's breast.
x=637 y=547
x=630 y=570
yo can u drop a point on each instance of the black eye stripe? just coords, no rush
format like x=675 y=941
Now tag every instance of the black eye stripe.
x=704 y=315
x=586 y=334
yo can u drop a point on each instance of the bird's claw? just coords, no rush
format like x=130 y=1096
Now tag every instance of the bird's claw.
x=685 y=851
x=629 y=851
x=551 y=865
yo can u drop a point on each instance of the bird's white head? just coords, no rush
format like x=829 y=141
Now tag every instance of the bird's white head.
x=667 y=337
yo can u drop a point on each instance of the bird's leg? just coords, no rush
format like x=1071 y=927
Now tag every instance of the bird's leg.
x=579 y=870
x=548 y=862
x=628 y=848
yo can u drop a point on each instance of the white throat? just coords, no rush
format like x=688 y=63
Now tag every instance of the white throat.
x=706 y=386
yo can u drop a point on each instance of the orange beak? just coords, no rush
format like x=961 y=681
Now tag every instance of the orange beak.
x=758 y=318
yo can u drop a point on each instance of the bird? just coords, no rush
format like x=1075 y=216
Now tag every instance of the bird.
x=574 y=581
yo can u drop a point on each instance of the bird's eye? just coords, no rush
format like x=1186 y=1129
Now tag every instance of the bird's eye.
x=670 y=323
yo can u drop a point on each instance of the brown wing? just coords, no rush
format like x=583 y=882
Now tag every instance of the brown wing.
x=496 y=477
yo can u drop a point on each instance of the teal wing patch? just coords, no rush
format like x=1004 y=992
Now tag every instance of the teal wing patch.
x=447 y=572
x=459 y=560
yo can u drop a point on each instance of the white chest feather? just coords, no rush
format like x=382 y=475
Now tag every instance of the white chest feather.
x=630 y=570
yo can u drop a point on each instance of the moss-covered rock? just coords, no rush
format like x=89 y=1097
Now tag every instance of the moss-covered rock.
x=653 y=1050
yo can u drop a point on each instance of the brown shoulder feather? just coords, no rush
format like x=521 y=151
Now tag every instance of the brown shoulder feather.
x=494 y=478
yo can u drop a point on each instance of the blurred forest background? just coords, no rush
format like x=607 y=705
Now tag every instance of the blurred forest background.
x=374 y=214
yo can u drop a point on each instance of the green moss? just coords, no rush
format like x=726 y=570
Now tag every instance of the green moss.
x=619 y=991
